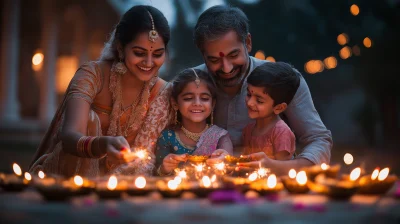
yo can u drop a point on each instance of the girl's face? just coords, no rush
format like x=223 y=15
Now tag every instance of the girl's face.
x=194 y=103
x=144 y=58
x=259 y=104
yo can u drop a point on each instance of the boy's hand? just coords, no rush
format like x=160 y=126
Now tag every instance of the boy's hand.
x=217 y=156
x=256 y=159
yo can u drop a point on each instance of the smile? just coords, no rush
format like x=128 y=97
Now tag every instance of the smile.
x=145 y=69
x=196 y=111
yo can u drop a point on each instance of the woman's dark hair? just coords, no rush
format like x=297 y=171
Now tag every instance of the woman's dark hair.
x=186 y=76
x=280 y=81
x=218 y=21
x=134 y=22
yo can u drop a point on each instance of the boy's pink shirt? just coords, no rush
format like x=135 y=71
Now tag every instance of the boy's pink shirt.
x=279 y=138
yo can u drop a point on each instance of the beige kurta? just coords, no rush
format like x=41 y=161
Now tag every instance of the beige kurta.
x=85 y=85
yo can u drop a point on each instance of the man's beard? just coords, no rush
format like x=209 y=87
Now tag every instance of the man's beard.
x=231 y=82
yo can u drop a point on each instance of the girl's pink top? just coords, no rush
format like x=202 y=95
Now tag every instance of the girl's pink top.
x=277 y=139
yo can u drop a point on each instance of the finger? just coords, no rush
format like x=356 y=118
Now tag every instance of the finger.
x=180 y=158
x=250 y=164
x=257 y=156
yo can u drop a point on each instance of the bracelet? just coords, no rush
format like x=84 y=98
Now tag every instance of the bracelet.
x=84 y=146
x=160 y=173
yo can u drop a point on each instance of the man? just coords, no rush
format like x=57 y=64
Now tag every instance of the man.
x=223 y=38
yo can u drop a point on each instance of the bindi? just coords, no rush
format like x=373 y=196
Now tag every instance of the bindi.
x=221 y=54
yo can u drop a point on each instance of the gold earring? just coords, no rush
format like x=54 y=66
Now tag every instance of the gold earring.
x=120 y=67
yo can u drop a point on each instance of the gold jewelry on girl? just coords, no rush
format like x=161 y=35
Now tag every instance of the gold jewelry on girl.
x=192 y=135
x=197 y=80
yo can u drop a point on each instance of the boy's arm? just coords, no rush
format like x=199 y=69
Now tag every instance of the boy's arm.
x=311 y=133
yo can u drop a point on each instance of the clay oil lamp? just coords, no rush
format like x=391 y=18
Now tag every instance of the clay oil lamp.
x=329 y=171
x=111 y=189
x=267 y=187
x=197 y=159
x=140 y=187
x=205 y=186
x=15 y=182
x=170 y=188
x=379 y=182
x=335 y=188
x=297 y=185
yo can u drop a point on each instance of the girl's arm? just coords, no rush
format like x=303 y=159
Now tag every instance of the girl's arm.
x=225 y=143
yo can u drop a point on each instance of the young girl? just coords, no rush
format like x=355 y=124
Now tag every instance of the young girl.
x=271 y=87
x=193 y=99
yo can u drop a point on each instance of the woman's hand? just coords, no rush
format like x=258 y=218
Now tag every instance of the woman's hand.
x=217 y=156
x=256 y=159
x=171 y=161
x=117 y=149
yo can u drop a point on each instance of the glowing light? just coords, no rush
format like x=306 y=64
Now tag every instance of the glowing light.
x=345 y=52
x=78 y=180
x=253 y=176
x=324 y=166
x=178 y=180
x=383 y=174
x=182 y=174
x=330 y=62
x=220 y=166
x=141 y=154
x=28 y=176
x=374 y=174
x=41 y=174
x=271 y=181
x=292 y=173
x=354 y=9
x=271 y=59
x=112 y=183
x=37 y=58
x=356 y=50
x=140 y=182
x=213 y=178
x=262 y=172
x=199 y=167
x=348 y=158
x=367 y=42
x=355 y=174
x=314 y=66
x=342 y=39
x=206 y=181
x=172 y=185
x=301 y=178
x=260 y=55
x=17 y=169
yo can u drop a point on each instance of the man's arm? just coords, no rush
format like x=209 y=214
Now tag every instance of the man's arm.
x=306 y=124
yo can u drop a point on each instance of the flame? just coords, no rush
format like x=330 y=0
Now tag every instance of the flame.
x=172 y=185
x=112 y=183
x=220 y=166
x=271 y=181
x=355 y=174
x=199 y=167
x=141 y=153
x=140 y=182
x=28 y=176
x=206 y=181
x=374 y=174
x=383 y=174
x=78 y=180
x=178 y=179
x=262 y=172
x=17 y=169
x=253 y=176
x=41 y=174
x=292 y=173
x=182 y=174
x=301 y=178
x=213 y=178
x=348 y=158
x=324 y=166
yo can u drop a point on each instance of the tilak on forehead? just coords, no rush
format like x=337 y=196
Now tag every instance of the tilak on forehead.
x=221 y=54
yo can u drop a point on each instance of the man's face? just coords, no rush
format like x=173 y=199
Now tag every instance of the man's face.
x=227 y=58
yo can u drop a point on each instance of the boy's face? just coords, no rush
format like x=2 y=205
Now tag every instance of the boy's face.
x=259 y=104
x=194 y=103
x=227 y=58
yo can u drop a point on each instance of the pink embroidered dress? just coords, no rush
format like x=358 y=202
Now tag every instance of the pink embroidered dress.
x=277 y=139
x=150 y=116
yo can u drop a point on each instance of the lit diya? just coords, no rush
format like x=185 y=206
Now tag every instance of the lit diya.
x=334 y=188
x=197 y=158
x=329 y=171
x=378 y=183
x=233 y=160
x=170 y=188
x=203 y=187
x=266 y=187
x=140 y=187
x=111 y=188
x=297 y=185
x=15 y=182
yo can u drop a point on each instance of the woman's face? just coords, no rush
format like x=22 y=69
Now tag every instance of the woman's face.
x=144 y=58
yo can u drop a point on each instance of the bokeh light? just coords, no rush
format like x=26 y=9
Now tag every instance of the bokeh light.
x=356 y=50
x=271 y=59
x=345 y=52
x=342 y=39
x=260 y=55
x=348 y=158
x=367 y=42
x=330 y=62
x=354 y=9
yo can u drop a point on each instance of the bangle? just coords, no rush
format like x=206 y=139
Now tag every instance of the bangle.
x=160 y=173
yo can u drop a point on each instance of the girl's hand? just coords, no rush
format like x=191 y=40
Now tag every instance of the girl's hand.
x=117 y=149
x=171 y=161
x=217 y=156
x=256 y=159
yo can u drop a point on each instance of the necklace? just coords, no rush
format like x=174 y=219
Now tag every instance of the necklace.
x=129 y=121
x=192 y=135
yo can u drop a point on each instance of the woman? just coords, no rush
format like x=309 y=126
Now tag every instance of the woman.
x=113 y=105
